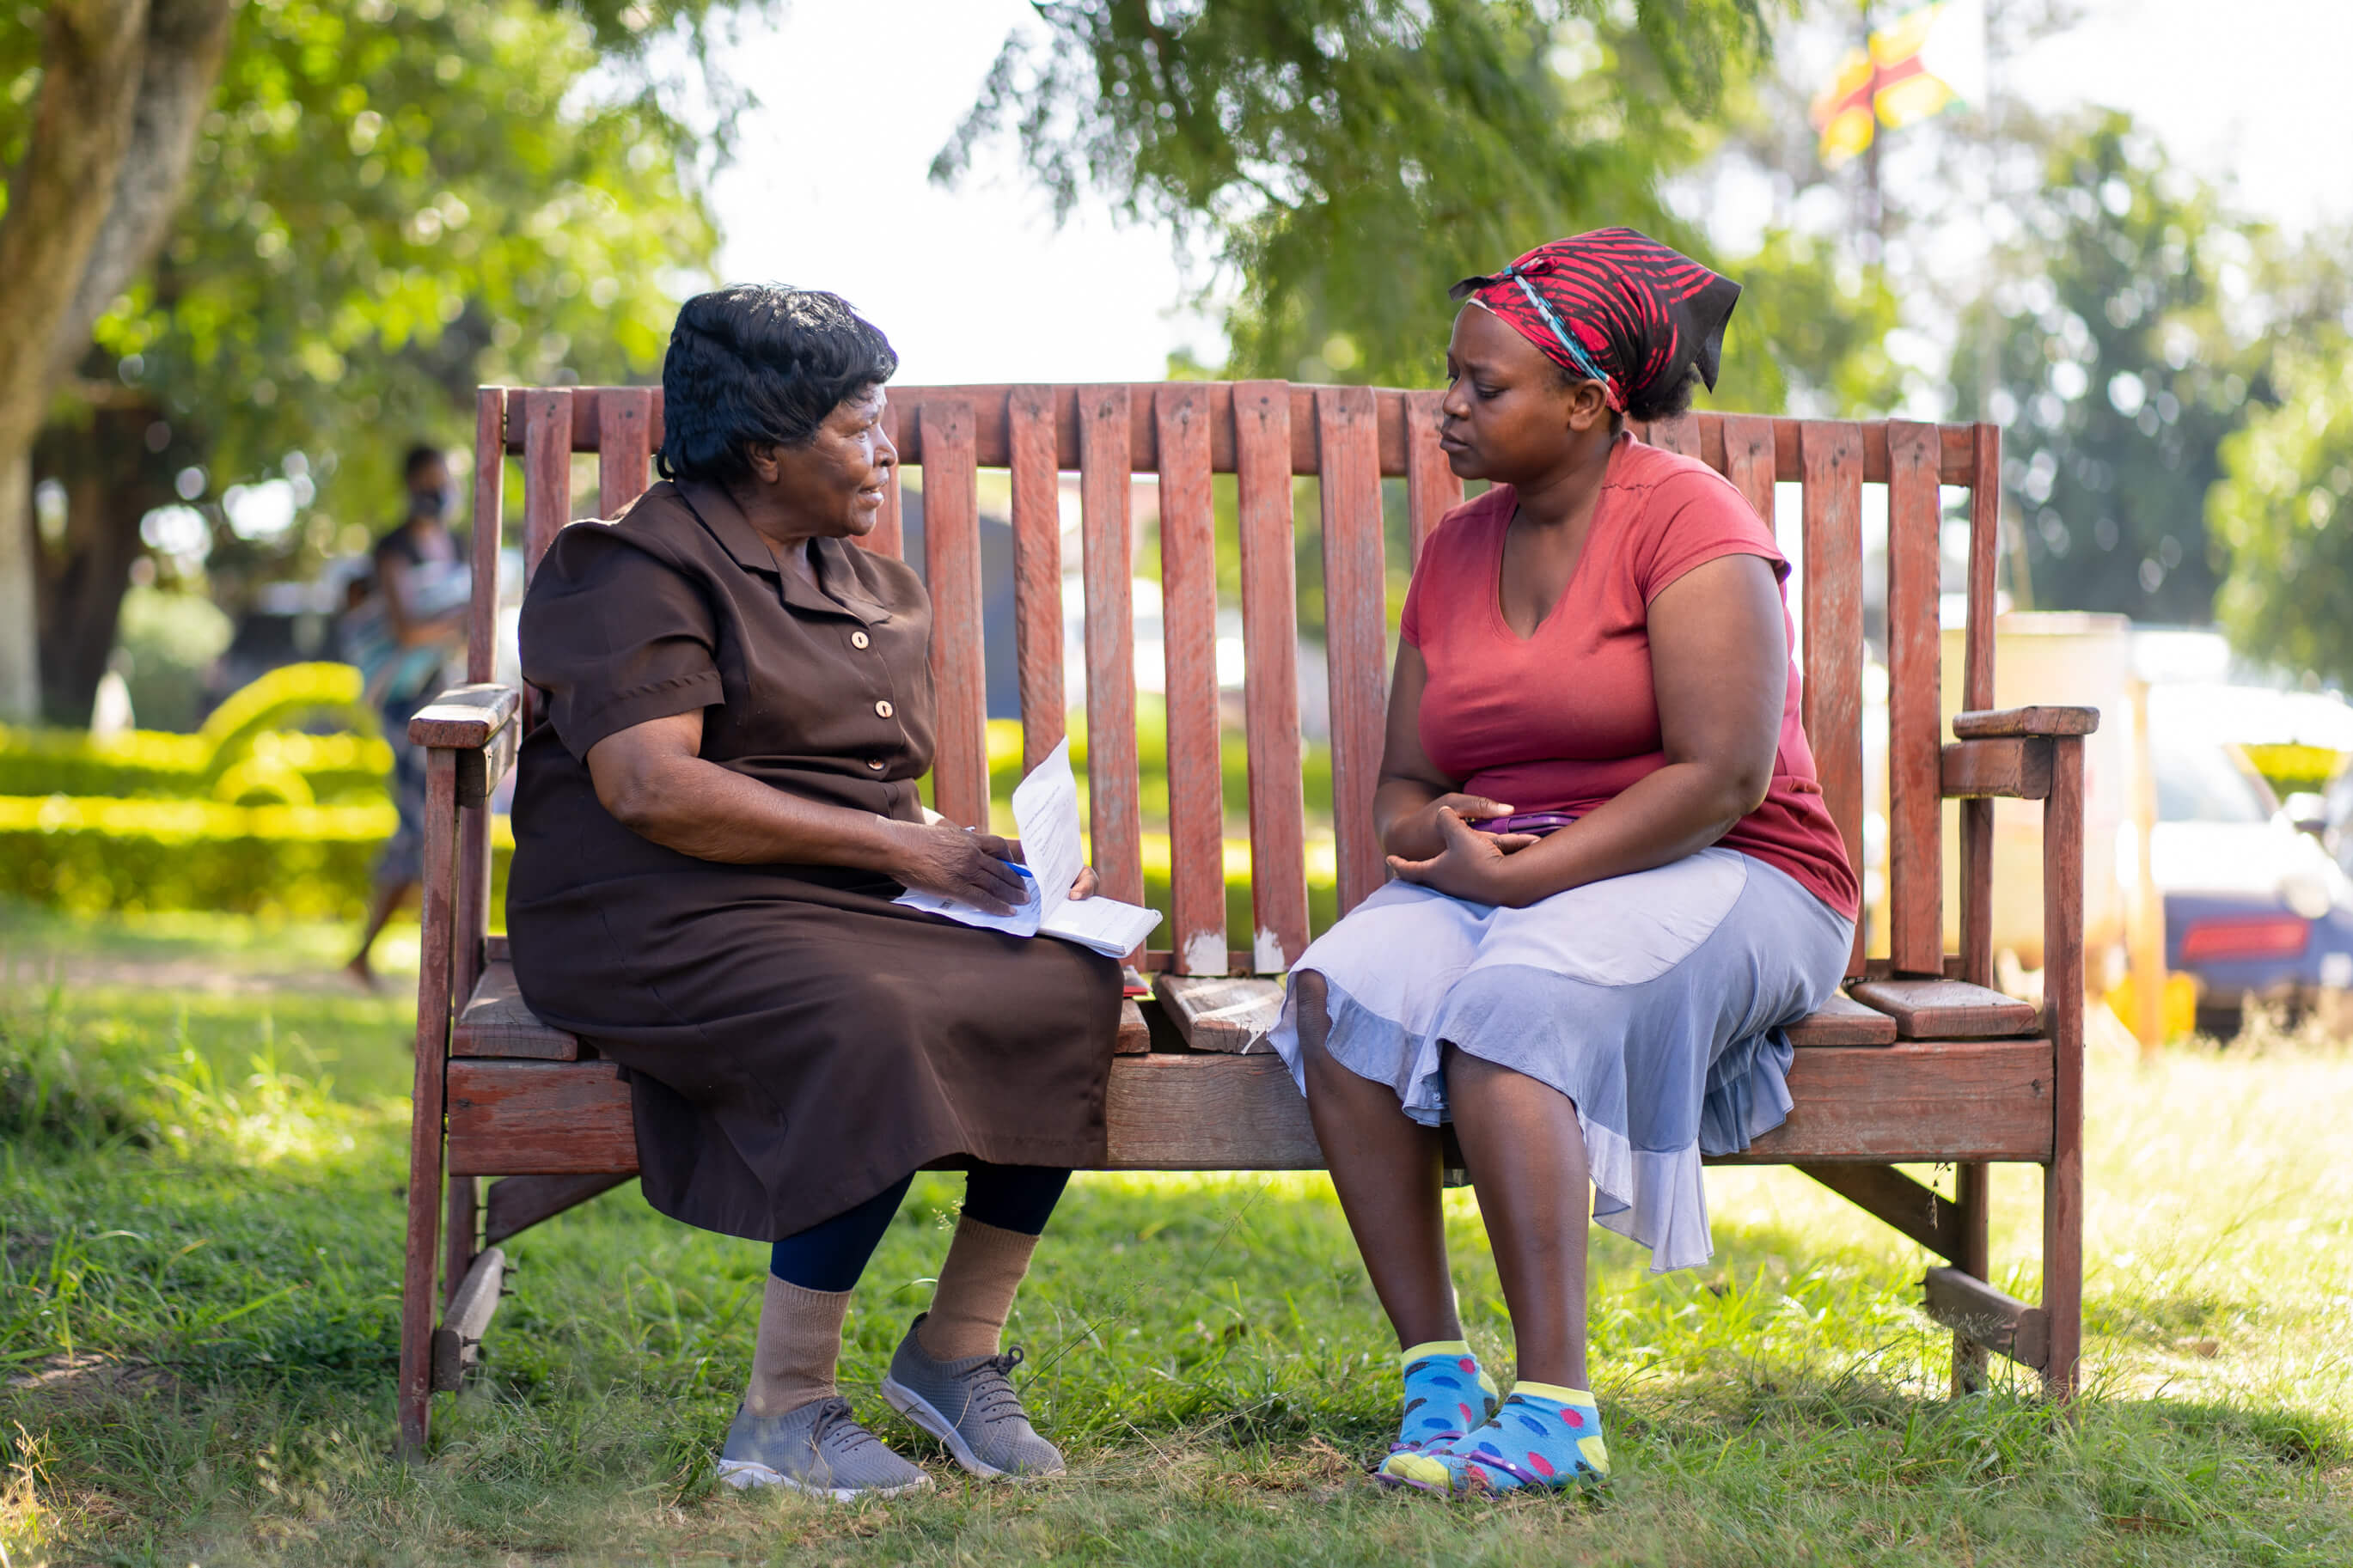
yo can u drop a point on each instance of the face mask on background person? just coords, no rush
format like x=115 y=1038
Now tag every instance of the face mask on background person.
x=429 y=503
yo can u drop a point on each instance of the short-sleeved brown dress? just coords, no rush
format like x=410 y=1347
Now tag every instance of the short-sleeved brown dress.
x=795 y=1041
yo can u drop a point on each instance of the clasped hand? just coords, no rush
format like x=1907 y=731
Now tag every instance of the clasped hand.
x=1469 y=865
x=969 y=867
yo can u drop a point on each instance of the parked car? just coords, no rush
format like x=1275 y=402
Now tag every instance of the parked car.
x=2254 y=909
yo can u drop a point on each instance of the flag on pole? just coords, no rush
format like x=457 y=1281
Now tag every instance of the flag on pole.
x=1924 y=63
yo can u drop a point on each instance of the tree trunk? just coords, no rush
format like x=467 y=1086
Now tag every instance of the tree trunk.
x=91 y=53
x=124 y=84
x=186 y=40
x=111 y=480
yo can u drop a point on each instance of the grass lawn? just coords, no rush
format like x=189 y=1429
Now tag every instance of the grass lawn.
x=199 y=1247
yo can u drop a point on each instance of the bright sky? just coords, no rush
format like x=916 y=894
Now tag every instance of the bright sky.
x=831 y=186
x=830 y=189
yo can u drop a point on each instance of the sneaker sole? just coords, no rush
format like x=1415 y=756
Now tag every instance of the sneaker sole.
x=916 y=1408
x=744 y=1474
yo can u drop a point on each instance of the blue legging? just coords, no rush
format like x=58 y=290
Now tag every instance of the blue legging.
x=832 y=1254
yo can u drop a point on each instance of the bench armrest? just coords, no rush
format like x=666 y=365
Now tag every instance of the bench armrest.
x=465 y=717
x=2018 y=723
x=476 y=723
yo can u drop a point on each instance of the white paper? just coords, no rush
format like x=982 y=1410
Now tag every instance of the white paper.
x=1022 y=921
x=1046 y=814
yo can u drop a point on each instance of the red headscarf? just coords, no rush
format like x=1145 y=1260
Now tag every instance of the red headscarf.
x=1613 y=306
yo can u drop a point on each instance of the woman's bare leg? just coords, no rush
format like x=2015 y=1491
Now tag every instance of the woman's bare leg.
x=1386 y=1168
x=1527 y=1161
x=387 y=900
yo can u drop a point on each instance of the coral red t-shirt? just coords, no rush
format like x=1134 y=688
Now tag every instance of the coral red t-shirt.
x=1566 y=719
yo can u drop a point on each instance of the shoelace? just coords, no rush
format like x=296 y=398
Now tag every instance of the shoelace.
x=992 y=1395
x=835 y=1413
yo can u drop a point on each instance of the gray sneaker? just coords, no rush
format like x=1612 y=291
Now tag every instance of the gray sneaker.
x=969 y=1406
x=818 y=1448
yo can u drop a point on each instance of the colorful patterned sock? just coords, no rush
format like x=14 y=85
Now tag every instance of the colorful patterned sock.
x=1544 y=1436
x=1446 y=1393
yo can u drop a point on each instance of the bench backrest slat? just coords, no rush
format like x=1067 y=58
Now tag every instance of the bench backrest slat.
x=546 y=470
x=1355 y=627
x=489 y=526
x=1831 y=455
x=1037 y=483
x=1978 y=692
x=624 y=446
x=1262 y=471
x=1107 y=537
x=1188 y=630
x=951 y=570
x=1915 y=880
x=1266 y=434
x=1749 y=461
x=1432 y=487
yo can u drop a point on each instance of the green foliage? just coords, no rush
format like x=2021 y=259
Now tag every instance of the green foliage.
x=269 y=768
x=288 y=694
x=1811 y=327
x=2284 y=516
x=246 y=753
x=2116 y=373
x=1346 y=160
x=391 y=202
x=89 y=855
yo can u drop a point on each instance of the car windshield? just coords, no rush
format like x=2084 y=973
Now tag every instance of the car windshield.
x=2201 y=782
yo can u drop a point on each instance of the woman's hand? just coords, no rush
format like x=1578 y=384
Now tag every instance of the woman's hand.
x=1416 y=834
x=1085 y=885
x=1469 y=865
x=955 y=864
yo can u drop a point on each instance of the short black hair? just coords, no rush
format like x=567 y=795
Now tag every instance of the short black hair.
x=420 y=457
x=1650 y=404
x=760 y=363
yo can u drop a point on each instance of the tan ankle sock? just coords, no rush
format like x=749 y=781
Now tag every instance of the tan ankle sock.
x=800 y=1341
x=985 y=1267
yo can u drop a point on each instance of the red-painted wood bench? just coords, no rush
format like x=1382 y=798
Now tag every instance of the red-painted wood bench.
x=1920 y=1062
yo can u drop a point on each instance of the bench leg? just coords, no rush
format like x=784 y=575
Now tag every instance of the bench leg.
x=419 y=1266
x=1972 y=1192
x=2063 y=1005
x=461 y=1229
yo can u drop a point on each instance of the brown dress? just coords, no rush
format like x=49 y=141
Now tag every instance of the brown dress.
x=795 y=1042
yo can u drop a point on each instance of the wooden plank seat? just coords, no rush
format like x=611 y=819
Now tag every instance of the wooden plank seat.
x=1918 y=1100
x=1917 y=1061
x=1233 y=1012
x=497 y=1022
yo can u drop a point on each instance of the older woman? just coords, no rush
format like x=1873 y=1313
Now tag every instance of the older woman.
x=711 y=828
x=1595 y=665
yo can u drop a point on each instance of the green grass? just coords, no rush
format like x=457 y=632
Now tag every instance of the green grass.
x=199 y=1243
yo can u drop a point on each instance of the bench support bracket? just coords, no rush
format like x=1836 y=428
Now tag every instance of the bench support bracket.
x=457 y=1342
x=1988 y=1317
x=1886 y=1194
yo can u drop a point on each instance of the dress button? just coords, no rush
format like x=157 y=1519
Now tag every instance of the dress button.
x=874 y=762
x=884 y=709
x=858 y=639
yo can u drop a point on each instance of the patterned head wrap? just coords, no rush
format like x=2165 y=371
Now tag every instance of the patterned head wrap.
x=1613 y=306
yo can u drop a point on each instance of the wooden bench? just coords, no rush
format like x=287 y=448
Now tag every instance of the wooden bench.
x=1920 y=1062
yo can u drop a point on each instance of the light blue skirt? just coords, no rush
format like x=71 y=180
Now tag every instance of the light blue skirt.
x=1655 y=1001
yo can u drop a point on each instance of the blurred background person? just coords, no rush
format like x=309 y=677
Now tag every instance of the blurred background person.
x=407 y=636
